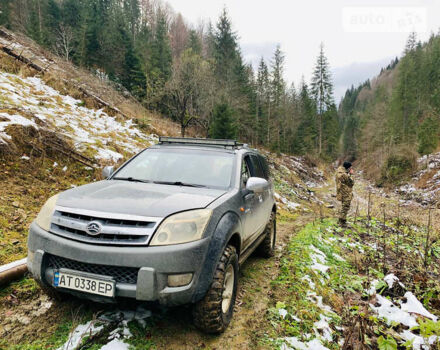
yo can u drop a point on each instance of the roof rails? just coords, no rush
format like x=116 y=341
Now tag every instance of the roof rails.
x=202 y=142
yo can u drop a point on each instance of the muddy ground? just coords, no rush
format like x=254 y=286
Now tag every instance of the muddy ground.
x=29 y=315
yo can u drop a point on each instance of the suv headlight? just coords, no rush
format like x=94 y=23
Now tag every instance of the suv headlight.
x=182 y=228
x=45 y=215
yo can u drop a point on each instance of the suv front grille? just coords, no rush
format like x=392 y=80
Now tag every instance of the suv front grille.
x=119 y=273
x=116 y=229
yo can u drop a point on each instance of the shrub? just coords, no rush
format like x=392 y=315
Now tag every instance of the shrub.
x=400 y=164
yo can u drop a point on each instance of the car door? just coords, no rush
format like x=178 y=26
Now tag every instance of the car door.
x=262 y=199
x=268 y=192
x=249 y=212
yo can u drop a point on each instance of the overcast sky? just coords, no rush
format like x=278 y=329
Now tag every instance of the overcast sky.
x=360 y=36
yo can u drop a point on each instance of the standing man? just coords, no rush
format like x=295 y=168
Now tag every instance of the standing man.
x=344 y=190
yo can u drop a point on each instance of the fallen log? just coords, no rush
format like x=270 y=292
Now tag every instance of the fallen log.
x=12 y=271
x=23 y=59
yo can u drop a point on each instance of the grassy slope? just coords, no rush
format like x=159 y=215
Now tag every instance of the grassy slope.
x=345 y=286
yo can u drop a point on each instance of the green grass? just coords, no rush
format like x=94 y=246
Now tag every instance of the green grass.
x=57 y=339
x=22 y=288
x=344 y=288
x=293 y=288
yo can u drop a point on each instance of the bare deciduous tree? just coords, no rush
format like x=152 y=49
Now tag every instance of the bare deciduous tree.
x=186 y=91
x=64 y=41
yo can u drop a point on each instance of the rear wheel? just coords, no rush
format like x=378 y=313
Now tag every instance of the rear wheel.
x=214 y=312
x=267 y=246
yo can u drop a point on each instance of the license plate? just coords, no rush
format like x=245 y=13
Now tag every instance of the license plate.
x=84 y=284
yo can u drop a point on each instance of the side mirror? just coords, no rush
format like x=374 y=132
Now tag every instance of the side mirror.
x=256 y=184
x=108 y=171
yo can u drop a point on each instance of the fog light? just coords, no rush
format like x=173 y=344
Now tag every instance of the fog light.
x=179 y=280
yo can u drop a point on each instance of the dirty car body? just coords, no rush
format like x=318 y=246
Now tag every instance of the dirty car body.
x=155 y=229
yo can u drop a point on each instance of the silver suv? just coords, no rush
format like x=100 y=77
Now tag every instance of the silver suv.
x=173 y=225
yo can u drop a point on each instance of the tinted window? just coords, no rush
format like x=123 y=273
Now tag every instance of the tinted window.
x=256 y=167
x=207 y=168
x=265 y=167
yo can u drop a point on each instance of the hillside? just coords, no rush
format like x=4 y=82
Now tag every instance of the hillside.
x=394 y=119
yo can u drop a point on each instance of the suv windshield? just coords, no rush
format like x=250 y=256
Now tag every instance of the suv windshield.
x=182 y=167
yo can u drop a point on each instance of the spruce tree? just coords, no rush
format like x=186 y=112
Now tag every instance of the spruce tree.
x=5 y=13
x=428 y=136
x=194 y=42
x=278 y=89
x=134 y=78
x=161 y=50
x=262 y=101
x=159 y=70
x=322 y=91
x=225 y=51
x=306 y=136
x=222 y=126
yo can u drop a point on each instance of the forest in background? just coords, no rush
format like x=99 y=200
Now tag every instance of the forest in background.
x=194 y=74
x=395 y=118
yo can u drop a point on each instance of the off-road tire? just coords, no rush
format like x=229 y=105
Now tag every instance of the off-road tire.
x=267 y=247
x=207 y=313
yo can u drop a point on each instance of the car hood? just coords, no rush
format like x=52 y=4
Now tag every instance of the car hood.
x=136 y=198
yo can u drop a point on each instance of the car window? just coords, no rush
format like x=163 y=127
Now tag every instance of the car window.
x=197 y=167
x=245 y=172
x=256 y=167
x=264 y=167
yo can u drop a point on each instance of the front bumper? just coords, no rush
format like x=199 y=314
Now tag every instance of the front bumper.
x=154 y=264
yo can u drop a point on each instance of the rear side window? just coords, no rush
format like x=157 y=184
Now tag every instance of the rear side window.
x=264 y=167
x=256 y=169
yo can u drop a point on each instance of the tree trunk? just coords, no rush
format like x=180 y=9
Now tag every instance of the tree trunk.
x=320 y=133
x=39 y=20
x=182 y=129
x=268 y=126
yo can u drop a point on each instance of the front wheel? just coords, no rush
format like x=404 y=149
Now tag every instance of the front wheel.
x=214 y=312
x=267 y=246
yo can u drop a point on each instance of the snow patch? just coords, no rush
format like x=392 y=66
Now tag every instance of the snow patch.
x=116 y=336
x=392 y=313
x=314 y=344
x=317 y=299
x=324 y=327
x=116 y=344
x=79 y=333
x=67 y=115
x=414 y=306
x=282 y=313
x=373 y=287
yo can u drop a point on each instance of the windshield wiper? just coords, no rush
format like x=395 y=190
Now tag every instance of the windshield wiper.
x=131 y=179
x=177 y=183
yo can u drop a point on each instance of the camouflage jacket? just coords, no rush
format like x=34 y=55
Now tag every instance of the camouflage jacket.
x=344 y=185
